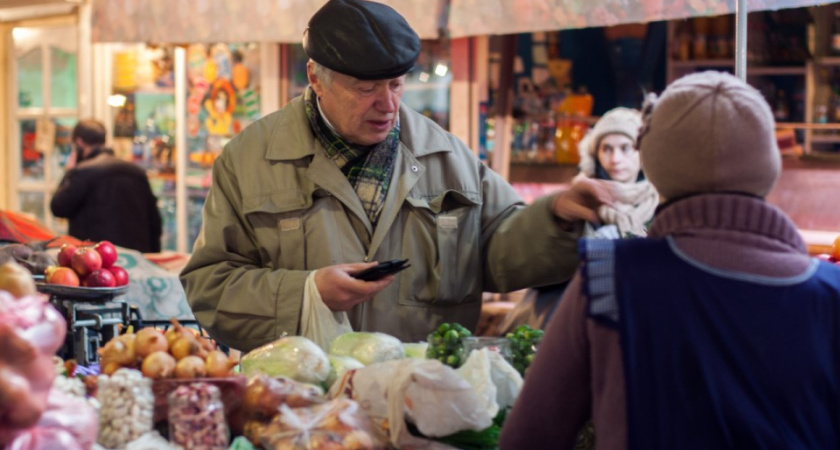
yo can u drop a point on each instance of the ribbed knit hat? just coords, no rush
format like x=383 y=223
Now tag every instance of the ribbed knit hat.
x=620 y=120
x=709 y=132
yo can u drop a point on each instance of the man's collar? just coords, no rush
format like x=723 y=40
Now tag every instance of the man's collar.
x=292 y=138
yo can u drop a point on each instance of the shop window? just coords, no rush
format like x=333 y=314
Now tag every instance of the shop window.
x=63 y=82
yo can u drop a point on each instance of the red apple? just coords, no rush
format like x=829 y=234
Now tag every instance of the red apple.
x=85 y=261
x=108 y=253
x=65 y=255
x=100 y=278
x=120 y=275
x=64 y=276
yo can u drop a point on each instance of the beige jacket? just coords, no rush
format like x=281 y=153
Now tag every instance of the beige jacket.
x=279 y=208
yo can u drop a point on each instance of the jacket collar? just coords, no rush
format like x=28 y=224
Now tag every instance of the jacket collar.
x=292 y=139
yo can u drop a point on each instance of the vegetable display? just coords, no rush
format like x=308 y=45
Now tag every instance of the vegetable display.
x=445 y=344
x=524 y=342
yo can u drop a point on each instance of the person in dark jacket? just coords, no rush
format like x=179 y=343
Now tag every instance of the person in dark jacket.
x=106 y=198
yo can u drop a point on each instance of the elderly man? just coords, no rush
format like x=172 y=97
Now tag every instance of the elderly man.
x=345 y=176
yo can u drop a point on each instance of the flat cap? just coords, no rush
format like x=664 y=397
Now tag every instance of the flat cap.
x=363 y=39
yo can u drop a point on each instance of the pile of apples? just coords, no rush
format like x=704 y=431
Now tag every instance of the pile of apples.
x=180 y=352
x=89 y=266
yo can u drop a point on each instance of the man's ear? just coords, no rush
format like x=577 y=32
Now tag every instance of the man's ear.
x=316 y=84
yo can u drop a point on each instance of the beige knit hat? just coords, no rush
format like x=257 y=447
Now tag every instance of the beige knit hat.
x=709 y=132
x=620 y=120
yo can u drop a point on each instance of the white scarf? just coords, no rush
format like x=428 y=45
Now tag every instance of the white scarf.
x=634 y=206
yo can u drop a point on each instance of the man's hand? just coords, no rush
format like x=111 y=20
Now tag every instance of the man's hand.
x=341 y=292
x=582 y=199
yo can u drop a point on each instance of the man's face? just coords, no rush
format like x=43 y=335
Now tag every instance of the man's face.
x=362 y=111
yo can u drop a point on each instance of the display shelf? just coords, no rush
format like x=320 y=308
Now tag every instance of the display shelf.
x=692 y=64
x=776 y=70
x=825 y=139
x=828 y=61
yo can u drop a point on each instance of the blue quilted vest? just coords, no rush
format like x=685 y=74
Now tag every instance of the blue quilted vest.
x=716 y=359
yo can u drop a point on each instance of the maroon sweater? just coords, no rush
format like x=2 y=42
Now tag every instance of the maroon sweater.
x=578 y=373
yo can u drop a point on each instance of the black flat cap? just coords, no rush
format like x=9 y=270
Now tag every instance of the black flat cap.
x=364 y=39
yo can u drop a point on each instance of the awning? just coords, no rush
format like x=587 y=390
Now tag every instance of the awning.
x=484 y=17
x=194 y=21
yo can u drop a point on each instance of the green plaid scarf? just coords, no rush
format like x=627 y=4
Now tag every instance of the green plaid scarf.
x=368 y=168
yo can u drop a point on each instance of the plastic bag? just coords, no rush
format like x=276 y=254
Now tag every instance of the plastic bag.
x=368 y=347
x=494 y=380
x=425 y=392
x=295 y=357
x=336 y=425
x=264 y=395
x=68 y=423
x=317 y=322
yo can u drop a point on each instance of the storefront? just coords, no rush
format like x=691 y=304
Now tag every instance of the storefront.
x=171 y=76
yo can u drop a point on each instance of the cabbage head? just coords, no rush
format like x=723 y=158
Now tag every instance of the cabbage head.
x=368 y=348
x=295 y=357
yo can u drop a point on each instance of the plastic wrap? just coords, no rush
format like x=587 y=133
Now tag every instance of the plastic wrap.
x=197 y=417
x=295 y=357
x=368 y=348
x=31 y=331
x=336 y=425
x=127 y=406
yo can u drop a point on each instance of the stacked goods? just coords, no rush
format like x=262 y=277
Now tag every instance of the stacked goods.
x=91 y=266
x=446 y=344
x=339 y=424
x=31 y=413
x=197 y=417
x=127 y=407
x=264 y=395
x=180 y=352
x=524 y=343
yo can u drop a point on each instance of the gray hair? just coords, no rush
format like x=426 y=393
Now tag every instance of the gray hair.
x=322 y=73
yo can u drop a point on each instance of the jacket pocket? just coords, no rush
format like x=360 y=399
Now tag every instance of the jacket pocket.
x=445 y=232
x=278 y=224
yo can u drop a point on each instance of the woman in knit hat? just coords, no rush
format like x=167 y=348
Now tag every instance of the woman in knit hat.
x=607 y=152
x=717 y=330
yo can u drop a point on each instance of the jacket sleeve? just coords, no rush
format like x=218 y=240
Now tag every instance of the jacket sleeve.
x=70 y=195
x=554 y=403
x=241 y=303
x=524 y=245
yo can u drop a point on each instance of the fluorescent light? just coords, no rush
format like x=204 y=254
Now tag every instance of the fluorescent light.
x=117 y=100
x=441 y=69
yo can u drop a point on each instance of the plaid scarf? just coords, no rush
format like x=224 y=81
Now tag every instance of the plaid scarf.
x=368 y=169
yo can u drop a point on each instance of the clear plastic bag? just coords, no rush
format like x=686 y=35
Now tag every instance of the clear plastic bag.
x=336 y=425
x=197 y=417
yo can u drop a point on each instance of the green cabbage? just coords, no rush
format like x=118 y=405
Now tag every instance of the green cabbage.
x=339 y=365
x=368 y=348
x=295 y=357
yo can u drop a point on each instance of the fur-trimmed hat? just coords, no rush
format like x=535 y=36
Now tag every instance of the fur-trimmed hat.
x=364 y=39
x=620 y=120
x=709 y=132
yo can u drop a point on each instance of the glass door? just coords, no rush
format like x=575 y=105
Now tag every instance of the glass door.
x=44 y=111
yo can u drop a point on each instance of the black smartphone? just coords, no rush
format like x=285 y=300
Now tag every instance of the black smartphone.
x=383 y=269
